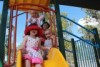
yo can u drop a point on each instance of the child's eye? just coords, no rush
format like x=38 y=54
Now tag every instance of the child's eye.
x=47 y=33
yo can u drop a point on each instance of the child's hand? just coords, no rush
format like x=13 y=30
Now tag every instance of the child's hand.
x=24 y=51
x=48 y=48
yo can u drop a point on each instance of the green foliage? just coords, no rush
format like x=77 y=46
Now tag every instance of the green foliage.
x=66 y=25
x=68 y=45
x=86 y=35
x=95 y=14
x=64 y=21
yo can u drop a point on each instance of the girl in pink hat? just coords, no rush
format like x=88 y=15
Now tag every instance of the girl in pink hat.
x=31 y=45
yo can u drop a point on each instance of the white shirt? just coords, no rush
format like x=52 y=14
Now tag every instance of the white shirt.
x=48 y=43
x=38 y=20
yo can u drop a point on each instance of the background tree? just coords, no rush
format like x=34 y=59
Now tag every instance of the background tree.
x=86 y=35
x=93 y=13
x=67 y=25
x=96 y=15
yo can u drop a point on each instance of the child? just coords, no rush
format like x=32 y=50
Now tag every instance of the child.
x=45 y=26
x=49 y=42
x=35 y=18
x=32 y=45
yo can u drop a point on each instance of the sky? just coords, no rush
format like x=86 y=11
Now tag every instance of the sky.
x=73 y=13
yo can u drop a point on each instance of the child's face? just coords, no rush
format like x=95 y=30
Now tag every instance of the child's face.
x=33 y=32
x=45 y=26
x=35 y=15
x=47 y=34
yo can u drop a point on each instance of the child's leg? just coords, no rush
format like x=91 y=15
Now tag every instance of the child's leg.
x=45 y=57
x=38 y=65
x=27 y=63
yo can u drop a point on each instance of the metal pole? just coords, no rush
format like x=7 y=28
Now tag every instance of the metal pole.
x=74 y=52
x=10 y=36
x=96 y=55
x=59 y=27
x=15 y=34
x=2 y=31
x=97 y=40
x=26 y=20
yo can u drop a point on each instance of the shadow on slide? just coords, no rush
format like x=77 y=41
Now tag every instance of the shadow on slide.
x=55 y=59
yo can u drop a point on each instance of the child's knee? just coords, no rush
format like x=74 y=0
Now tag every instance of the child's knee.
x=38 y=65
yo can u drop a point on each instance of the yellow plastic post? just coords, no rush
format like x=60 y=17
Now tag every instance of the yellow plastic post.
x=19 y=59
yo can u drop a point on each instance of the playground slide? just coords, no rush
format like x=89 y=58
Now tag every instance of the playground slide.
x=55 y=59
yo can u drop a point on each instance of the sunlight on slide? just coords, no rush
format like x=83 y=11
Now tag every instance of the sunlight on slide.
x=55 y=59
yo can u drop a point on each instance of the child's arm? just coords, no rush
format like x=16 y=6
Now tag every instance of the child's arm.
x=42 y=47
x=24 y=42
x=53 y=41
x=29 y=20
x=41 y=17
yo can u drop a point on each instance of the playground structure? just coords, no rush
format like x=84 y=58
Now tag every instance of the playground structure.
x=42 y=6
